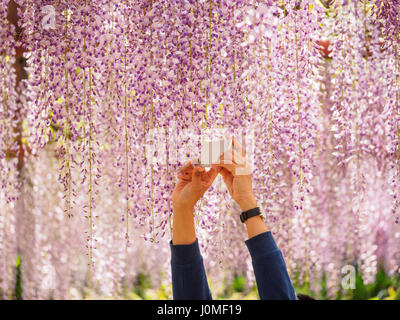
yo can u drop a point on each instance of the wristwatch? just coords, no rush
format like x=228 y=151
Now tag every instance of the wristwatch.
x=249 y=213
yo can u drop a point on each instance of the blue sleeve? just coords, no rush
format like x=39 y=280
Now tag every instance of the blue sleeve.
x=273 y=282
x=189 y=280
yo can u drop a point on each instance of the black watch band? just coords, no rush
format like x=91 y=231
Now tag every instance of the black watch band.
x=249 y=213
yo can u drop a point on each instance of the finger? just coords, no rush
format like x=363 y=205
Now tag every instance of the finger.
x=196 y=174
x=238 y=159
x=185 y=172
x=212 y=174
x=185 y=175
x=216 y=167
x=230 y=168
x=225 y=173
x=185 y=179
x=227 y=176
x=238 y=147
x=233 y=157
x=234 y=164
x=227 y=157
x=188 y=167
x=242 y=166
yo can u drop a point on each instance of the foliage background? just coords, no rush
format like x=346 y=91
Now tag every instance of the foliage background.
x=85 y=198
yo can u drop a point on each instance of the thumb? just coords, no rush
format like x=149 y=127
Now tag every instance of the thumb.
x=228 y=179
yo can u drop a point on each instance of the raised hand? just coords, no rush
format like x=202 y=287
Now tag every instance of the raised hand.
x=192 y=183
x=236 y=172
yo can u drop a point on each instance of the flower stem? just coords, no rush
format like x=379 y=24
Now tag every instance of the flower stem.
x=298 y=104
x=67 y=125
x=126 y=151
x=397 y=100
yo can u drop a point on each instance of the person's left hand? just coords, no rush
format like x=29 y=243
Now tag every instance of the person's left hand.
x=192 y=183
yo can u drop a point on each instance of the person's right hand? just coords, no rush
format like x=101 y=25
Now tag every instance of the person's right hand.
x=236 y=173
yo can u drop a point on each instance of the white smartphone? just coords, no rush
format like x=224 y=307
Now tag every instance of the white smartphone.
x=211 y=151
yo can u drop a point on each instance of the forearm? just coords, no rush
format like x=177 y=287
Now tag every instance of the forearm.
x=254 y=225
x=189 y=280
x=183 y=231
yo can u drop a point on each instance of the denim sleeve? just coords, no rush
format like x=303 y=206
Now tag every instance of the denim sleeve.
x=273 y=282
x=189 y=280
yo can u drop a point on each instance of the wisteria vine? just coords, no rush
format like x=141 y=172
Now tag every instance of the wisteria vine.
x=118 y=94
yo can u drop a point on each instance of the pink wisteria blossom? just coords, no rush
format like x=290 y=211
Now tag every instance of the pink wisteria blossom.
x=119 y=94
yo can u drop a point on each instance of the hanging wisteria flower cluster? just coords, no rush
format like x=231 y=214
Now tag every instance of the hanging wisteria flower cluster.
x=119 y=94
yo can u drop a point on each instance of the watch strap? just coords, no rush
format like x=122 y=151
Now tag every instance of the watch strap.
x=249 y=213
